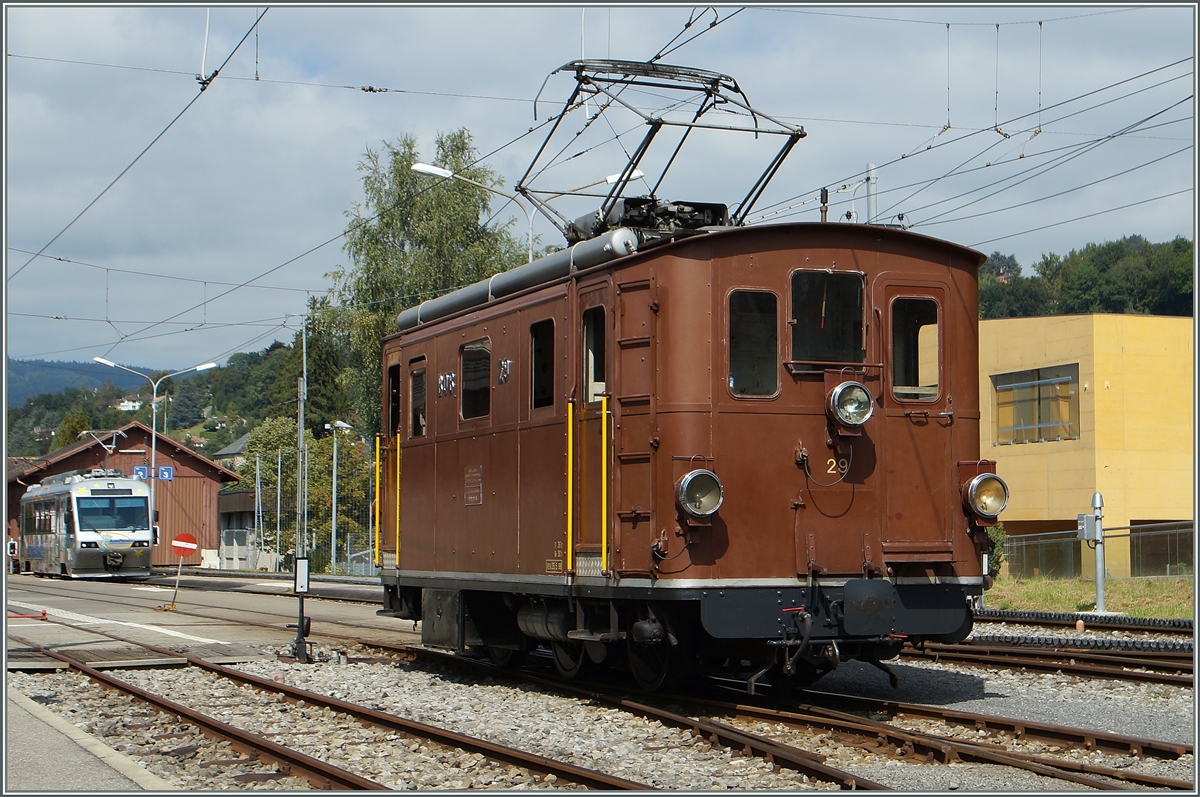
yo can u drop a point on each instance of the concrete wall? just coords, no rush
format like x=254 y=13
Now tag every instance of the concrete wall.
x=1136 y=433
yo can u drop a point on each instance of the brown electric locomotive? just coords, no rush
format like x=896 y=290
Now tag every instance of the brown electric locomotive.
x=751 y=450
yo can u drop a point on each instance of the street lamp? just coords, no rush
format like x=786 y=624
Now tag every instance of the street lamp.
x=335 y=426
x=438 y=171
x=154 y=418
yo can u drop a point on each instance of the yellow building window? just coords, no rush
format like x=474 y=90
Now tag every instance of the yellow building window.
x=1037 y=405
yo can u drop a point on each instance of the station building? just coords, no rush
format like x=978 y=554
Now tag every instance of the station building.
x=187 y=500
x=1079 y=404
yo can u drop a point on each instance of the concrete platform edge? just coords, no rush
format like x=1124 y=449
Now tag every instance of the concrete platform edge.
x=117 y=760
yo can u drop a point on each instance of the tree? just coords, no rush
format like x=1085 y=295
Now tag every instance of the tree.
x=412 y=238
x=999 y=265
x=188 y=405
x=74 y=422
x=326 y=361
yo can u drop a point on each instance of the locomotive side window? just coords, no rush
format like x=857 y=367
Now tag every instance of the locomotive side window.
x=476 y=359
x=593 y=353
x=827 y=319
x=416 y=398
x=753 y=343
x=541 y=346
x=393 y=383
x=915 y=345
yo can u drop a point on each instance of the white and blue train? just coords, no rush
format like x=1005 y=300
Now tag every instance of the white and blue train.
x=87 y=524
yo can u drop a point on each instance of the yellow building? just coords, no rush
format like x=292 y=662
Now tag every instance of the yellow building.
x=1073 y=405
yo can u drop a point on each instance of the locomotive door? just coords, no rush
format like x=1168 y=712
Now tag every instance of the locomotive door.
x=591 y=545
x=918 y=414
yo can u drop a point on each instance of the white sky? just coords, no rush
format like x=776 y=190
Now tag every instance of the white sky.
x=258 y=173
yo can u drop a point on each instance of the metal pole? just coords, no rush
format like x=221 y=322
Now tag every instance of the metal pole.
x=154 y=456
x=333 y=532
x=1098 y=510
x=257 y=507
x=278 y=496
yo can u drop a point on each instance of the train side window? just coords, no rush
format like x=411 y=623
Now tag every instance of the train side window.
x=393 y=383
x=416 y=398
x=541 y=355
x=476 y=358
x=915 y=349
x=753 y=343
x=827 y=319
x=593 y=353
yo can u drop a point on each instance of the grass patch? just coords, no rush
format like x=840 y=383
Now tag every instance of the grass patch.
x=1166 y=598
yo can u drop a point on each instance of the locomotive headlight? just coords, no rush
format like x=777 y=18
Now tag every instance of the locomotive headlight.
x=700 y=493
x=986 y=495
x=851 y=404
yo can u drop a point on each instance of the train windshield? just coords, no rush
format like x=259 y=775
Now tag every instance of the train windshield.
x=827 y=319
x=113 y=514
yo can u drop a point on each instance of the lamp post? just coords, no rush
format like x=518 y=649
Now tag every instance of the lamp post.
x=438 y=171
x=335 y=427
x=154 y=383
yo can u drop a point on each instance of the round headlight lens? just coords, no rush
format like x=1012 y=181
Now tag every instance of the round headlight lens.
x=987 y=495
x=851 y=403
x=700 y=493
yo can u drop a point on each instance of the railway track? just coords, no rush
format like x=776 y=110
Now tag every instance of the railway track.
x=322 y=774
x=1108 y=622
x=732 y=726
x=1174 y=669
x=710 y=719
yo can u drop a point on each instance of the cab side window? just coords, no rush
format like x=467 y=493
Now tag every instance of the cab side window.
x=915 y=349
x=476 y=362
x=416 y=398
x=593 y=353
x=753 y=343
x=393 y=395
x=541 y=358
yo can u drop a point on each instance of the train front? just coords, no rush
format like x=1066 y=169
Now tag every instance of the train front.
x=827 y=495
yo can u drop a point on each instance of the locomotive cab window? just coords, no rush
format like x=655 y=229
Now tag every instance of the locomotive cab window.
x=827 y=319
x=593 y=353
x=753 y=343
x=476 y=359
x=416 y=398
x=541 y=356
x=915 y=349
x=393 y=391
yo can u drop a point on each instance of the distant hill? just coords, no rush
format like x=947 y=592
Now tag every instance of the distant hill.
x=27 y=378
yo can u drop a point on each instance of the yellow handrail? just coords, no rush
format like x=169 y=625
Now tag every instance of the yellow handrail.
x=604 y=485
x=397 y=499
x=378 y=553
x=570 y=481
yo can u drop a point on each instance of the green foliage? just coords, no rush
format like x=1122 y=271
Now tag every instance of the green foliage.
x=412 y=238
x=188 y=407
x=244 y=386
x=1126 y=276
x=997 y=535
x=74 y=422
x=326 y=360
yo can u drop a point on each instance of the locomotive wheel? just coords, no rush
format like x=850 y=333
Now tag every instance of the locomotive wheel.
x=507 y=658
x=649 y=663
x=570 y=659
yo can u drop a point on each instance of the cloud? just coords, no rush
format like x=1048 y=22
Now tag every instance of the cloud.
x=258 y=172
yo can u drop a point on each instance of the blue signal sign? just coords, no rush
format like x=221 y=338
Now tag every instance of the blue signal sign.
x=141 y=472
x=166 y=473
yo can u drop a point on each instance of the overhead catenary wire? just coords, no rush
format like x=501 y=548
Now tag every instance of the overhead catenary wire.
x=1064 y=192
x=799 y=206
x=203 y=87
x=1081 y=218
x=1053 y=165
x=1008 y=123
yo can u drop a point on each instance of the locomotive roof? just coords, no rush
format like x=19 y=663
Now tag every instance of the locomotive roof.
x=565 y=263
